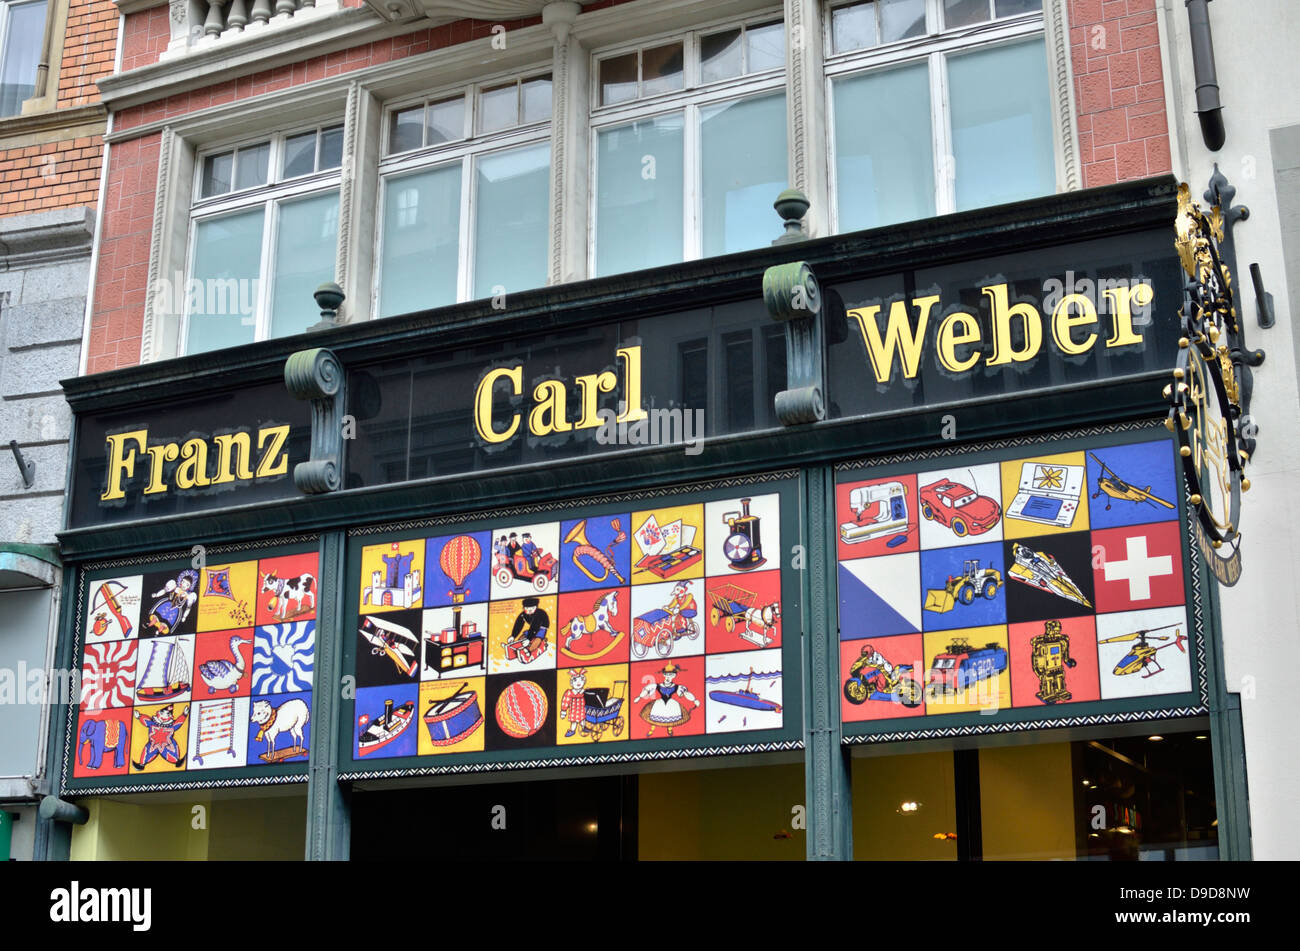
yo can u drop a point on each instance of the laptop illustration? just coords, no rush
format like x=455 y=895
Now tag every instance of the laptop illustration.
x=1049 y=494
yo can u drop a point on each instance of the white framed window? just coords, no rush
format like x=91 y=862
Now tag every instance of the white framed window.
x=263 y=236
x=465 y=207
x=936 y=106
x=688 y=147
x=22 y=35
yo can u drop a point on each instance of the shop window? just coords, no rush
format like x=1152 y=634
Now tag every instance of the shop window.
x=22 y=28
x=263 y=237
x=465 y=196
x=689 y=140
x=937 y=106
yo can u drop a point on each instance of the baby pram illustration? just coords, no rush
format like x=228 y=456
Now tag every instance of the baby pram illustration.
x=604 y=711
x=661 y=628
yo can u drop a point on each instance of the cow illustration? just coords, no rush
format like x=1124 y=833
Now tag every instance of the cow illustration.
x=289 y=717
x=301 y=590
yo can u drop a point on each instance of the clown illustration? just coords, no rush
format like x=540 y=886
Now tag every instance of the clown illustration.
x=162 y=727
x=666 y=709
x=177 y=599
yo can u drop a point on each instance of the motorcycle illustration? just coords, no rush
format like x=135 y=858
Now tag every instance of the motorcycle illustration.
x=868 y=681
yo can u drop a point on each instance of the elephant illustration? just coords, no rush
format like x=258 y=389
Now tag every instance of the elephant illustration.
x=102 y=736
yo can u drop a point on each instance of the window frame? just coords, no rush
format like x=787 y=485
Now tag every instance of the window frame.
x=467 y=150
x=934 y=47
x=269 y=196
x=694 y=96
x=5 y=17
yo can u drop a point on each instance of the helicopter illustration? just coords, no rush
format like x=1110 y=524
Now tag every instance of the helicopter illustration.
x=1110 y=483
x=1143 y=655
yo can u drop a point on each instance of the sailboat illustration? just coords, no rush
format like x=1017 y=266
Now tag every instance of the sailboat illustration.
x=166 y=674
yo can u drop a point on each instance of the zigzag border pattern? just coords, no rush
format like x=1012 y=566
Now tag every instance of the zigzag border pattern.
x=189 y=553
x=1131 y=716
x=173 y=787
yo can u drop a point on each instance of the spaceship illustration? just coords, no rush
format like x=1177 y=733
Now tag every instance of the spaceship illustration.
x=1040 y=570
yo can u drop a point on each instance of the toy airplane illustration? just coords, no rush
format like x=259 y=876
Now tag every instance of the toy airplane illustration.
x=1040 y=570
x=392 y=640
x=1110 y=483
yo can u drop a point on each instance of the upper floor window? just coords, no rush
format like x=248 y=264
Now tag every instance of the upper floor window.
x=936 y=106
x=263 y=237
x=689 y=146
x=465 y=203
x=22 y=32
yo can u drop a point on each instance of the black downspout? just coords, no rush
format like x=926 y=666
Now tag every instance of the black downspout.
x=1208 y=108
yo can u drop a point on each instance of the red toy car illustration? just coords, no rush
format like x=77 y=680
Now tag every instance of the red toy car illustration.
x=959 y=508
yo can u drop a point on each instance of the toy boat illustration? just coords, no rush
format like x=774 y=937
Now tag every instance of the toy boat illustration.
x=385 y=728
x=746 y=698
x=172 y=677
x=1040 y=570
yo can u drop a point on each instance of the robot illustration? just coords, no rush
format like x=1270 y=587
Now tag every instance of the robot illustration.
x=1049 y=657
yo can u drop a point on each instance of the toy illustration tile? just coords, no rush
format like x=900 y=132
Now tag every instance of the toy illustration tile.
x=525 y=560
x=164 y=669
x=668 y=544
x=880 y=596
x=743 y=535
x=960 y=505
x=227 y=596
x=459 y=569
x=1049 y=577
x=883 y=678
x=389 y=647
x=108 y=675
x=967 y=671
x=223 y=664
x=452 y=716
x=386 y=722
x=287 y=588
x=1044 y=495
x=454 y=642
x=160 y=737
x=743 y=691
x=592 y=706
x=1139 y=566
x=1054 y=662
x=219 y=733
x=743 y=613
x=284 y=657
x=1133 y=484
x=877 y=516
x=595 y=552
x=667 y=698
x=593 y=627
x=113 y=609
x=522 y=634
x=668 y=619
x=964 y=586
x=1143 y=653
x=520 y=710
x=169 y=602
x=103 y=742
x=392 y=576
x=279 y=728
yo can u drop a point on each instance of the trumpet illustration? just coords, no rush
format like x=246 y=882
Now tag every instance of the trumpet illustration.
x=603 y=560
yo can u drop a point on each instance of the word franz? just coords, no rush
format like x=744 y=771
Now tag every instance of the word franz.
x=234 y=460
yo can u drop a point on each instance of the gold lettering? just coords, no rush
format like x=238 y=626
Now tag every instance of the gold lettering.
x=631 y=357
x=898 y=336
x=483 y=403
x=226 y=446
x=1003 y=352
x=950 y=337
x=590 y=388
x=1122 y=300
x=193 y=470
x=1063 y=322
x=268 y=465
x=121 y=462
x=157 y=456
x=548 y=416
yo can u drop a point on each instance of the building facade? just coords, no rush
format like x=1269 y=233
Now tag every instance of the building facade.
x=578 y=484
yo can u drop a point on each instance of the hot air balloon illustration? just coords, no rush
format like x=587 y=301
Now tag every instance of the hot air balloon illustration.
x=460 y=647
x=460 y=556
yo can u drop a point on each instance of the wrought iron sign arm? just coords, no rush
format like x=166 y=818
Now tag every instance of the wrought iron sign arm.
x=318 y=375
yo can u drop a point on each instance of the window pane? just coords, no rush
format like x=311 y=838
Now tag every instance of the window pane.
x=420 y=257
x=498 y=108
x=720 y=55
x=964 y=12
x=618 y=79
x=19 y=58
x=854 y=27
x=639 y=195
x=406 y=129
x=661 y=69
x=1001 y=125
x=765 y=46
x=299 y=155
x=884 y=162
x=216 y=174
x=1009 y=8
x=227 y=263
x=900 y=19
x=305 y=246
x=537 y=99
x=251 y=165
x=446 y=120
x=512 y=220
x=331 y=148
x=743 y=169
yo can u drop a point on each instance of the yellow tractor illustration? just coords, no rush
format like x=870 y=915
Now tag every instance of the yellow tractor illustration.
x=964 y=587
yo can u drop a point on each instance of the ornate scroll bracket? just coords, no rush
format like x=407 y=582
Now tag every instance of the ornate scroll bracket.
x=792 y=295
x=318 y=375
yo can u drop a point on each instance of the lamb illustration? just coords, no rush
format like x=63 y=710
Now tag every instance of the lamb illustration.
x=289 y=717
x=224 y=674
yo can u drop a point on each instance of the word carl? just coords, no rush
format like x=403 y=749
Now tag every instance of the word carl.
x=661 y=427
x=234 y=460
x=103 y=904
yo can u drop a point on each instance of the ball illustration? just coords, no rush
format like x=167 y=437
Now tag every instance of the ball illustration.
x=521 y=709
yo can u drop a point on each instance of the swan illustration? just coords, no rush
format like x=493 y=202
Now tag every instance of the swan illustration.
x=225 y=674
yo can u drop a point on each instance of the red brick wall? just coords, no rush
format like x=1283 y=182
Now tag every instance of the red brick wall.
x=1119 y=90
x=89 y=45
x=53 y=175
x=145 y=36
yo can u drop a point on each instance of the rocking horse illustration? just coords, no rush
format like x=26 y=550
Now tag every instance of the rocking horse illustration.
x=593 y=624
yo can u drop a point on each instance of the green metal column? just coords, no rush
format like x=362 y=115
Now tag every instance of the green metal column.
x=826 y=767
x=328 y=826
x=52 y=839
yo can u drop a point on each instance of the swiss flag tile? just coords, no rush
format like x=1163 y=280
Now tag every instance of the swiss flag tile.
x=1138 y=566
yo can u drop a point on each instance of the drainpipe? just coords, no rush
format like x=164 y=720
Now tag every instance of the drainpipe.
x=1208 y=108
